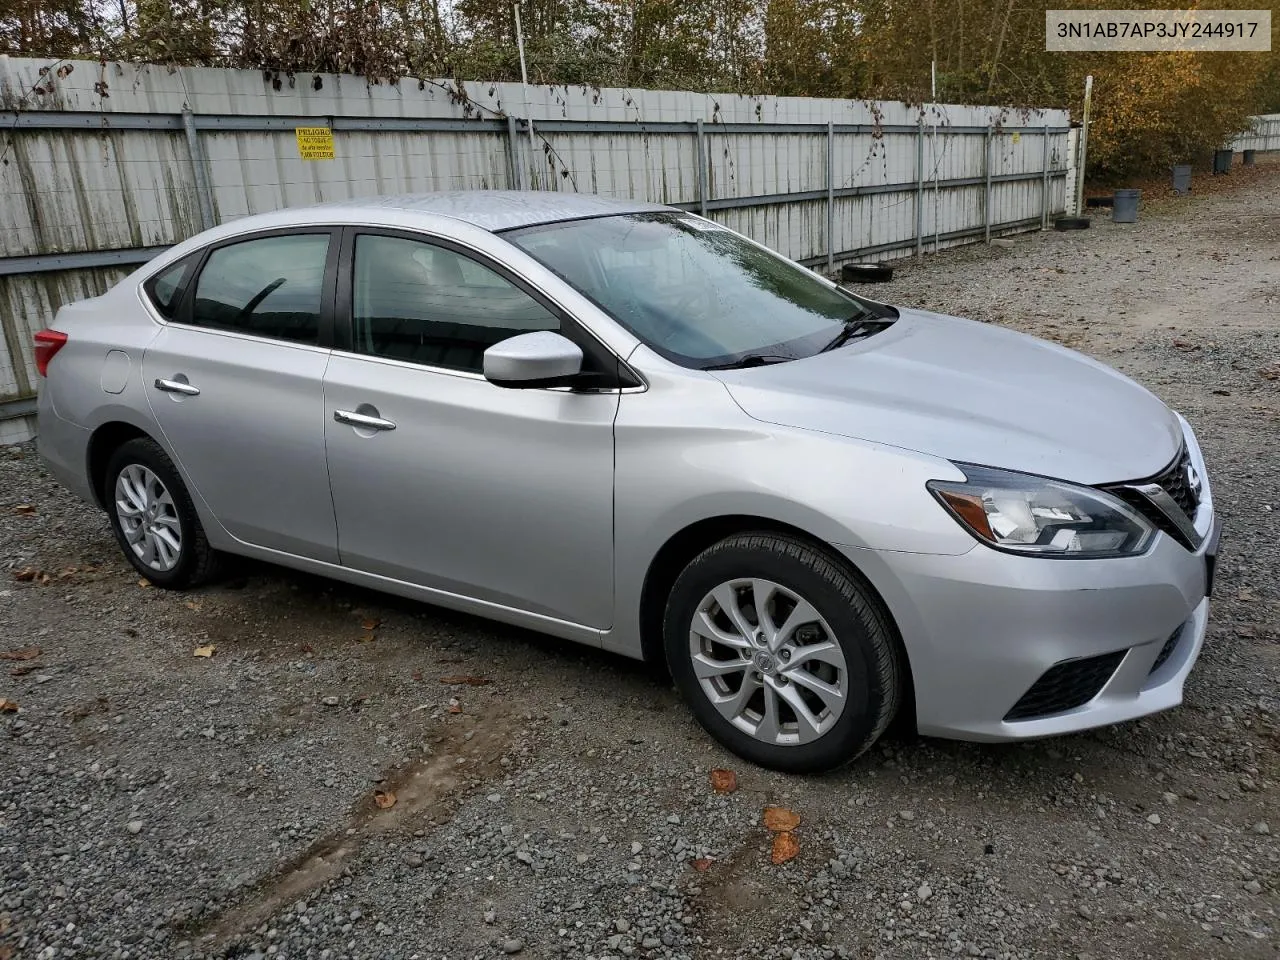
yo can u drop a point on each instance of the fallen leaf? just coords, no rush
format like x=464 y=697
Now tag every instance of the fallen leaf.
x=144 y=582
x=384 y=799
x=192 y=605
x=1270 y=373
x=6 y=952
x=306 y=648
x=371 y=623
x=455 y=708
x=23 y=671
x=1185 y=344
x=205 y=651
x=724 y=781
x=417 y=674
x=24 y=508
x=785 y=847
x=1222 y=393
x=366 y=638
x=468 y=681
x=780 y=819
x=26 y=574
x=8 y=706
x=24 y=653
x=702 y=864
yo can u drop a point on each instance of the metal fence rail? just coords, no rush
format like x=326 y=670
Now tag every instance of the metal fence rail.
x=1263 y=134
x=93 y=186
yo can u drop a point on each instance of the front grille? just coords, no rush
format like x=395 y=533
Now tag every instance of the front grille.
x=1065 y=686
x=1166 y=651
x=1173 y=480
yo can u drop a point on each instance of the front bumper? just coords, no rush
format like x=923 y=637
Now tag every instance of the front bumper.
x=981 y=629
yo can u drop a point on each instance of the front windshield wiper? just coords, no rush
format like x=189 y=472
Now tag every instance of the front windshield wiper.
x=855 y=328
x=750 y=360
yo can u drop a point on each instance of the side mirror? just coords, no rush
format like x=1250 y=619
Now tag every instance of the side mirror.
x=540 y=359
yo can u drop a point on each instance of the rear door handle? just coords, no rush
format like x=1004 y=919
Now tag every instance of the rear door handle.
x=177 y=386
x=363 y=420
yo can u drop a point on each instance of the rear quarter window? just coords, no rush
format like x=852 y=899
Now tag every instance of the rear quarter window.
x=165 y=289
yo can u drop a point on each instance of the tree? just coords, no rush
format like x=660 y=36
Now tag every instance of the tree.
x=1151 y=109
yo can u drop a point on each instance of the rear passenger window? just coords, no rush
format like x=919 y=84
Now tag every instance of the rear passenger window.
x=165 y=288
x=270 y=287
x=426 y=304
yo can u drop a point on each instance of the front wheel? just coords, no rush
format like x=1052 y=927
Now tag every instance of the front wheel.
x=784 y=656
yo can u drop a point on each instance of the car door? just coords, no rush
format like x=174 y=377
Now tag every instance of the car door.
x=443 y=479
x=235 y=379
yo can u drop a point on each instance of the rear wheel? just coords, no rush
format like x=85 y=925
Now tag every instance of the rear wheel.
x=153 y=518
x=784 y=655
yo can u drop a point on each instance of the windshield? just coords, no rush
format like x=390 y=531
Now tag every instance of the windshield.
x=698 y=294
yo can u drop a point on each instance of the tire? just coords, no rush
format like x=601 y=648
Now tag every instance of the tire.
x=1071 y=223
x=177 y=555
x=865 y=663
x=866 y=273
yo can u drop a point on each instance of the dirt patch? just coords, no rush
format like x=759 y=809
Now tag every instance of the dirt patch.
x=425 y=793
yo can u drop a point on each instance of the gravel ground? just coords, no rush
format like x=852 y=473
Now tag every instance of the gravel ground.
x=555 y=801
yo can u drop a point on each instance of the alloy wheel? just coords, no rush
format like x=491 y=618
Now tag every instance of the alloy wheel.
x=768 y=661
x=148 y=518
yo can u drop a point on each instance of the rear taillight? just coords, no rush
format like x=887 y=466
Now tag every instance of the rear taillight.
x=48 y=342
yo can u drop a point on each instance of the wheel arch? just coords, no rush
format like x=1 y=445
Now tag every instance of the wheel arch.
x=105 y=440
x=681 y=548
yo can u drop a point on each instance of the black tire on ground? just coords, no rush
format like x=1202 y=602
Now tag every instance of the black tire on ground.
x=855 y=614
x=1071 y=223
x=866 y=273
x=198 y=563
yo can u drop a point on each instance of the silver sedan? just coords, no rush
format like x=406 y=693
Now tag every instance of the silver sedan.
x=627 y=426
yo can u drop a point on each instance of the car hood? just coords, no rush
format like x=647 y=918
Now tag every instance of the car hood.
x=971 y=392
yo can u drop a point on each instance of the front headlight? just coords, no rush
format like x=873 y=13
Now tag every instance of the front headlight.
x=1043 y=518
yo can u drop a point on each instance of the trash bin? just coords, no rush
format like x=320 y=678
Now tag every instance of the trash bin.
x=1182 y=178
x=1250 y=156
x=1125 y=207
x=1222 y=161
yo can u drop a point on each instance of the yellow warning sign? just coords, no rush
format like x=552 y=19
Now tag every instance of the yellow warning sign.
x=314 y=143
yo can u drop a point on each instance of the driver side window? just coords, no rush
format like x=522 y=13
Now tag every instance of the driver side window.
x=269 y=287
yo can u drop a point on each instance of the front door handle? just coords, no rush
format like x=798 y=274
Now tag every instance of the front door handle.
x=363 y=420
x=177 y=386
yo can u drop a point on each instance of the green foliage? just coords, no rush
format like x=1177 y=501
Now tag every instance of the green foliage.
x=1151 y=109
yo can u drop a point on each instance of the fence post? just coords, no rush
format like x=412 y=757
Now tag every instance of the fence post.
x=204 y=195
x=1044 y=189
x=986 y=202
x=920 y=187
x=513 y=154
x=831 y=197
x=937 y=193
x=702 y=170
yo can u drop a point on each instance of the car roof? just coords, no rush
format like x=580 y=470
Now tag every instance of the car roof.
x=488 y=210
x=495 y=210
